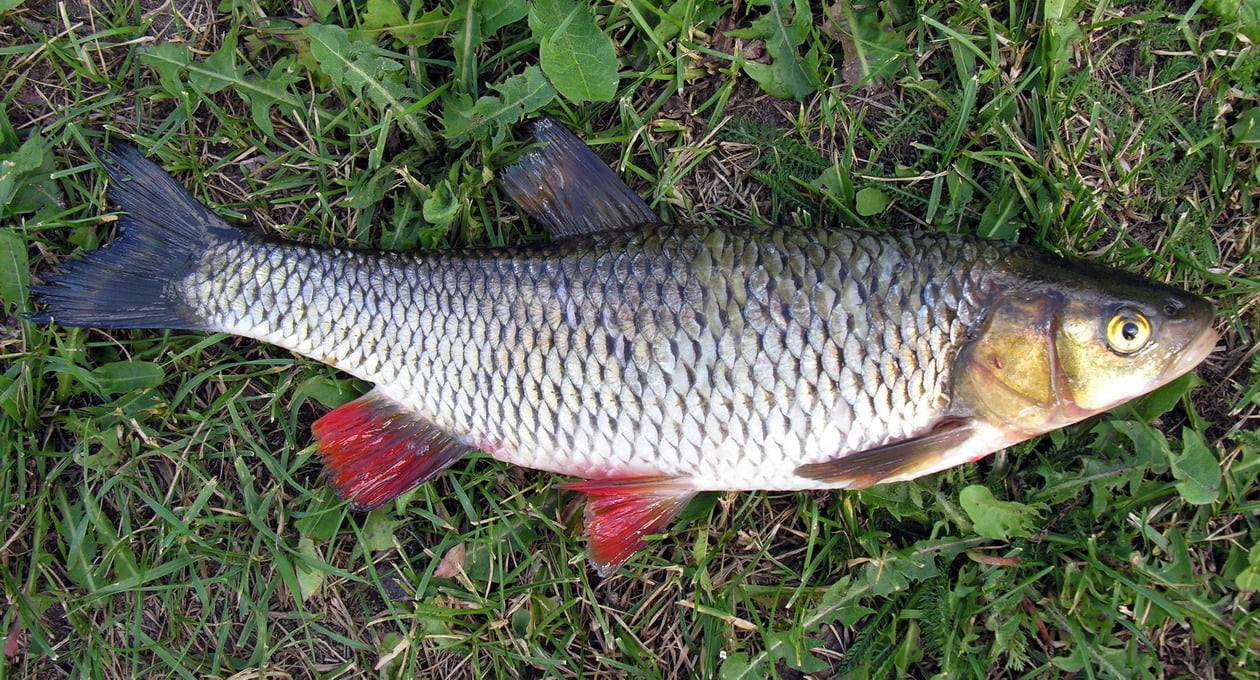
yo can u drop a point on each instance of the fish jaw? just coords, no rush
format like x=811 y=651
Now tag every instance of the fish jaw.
x=1193 y=354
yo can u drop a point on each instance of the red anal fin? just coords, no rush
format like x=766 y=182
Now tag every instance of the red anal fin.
x=620 y=512
x=375 y=450
x=872 y=466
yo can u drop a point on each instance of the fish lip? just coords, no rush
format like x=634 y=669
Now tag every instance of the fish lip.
x=1190 y=356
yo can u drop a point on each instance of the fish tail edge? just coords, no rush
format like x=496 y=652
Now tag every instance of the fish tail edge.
x=132 y=281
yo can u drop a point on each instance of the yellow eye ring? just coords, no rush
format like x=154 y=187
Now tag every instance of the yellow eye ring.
x=1128 y=332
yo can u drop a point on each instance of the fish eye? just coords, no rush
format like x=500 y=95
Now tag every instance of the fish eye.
x=1128 y=331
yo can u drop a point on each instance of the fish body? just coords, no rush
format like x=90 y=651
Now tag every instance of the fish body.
x=728 y=357
x=652 y=360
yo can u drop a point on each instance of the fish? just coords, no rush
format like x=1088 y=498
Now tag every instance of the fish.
x=649 y=360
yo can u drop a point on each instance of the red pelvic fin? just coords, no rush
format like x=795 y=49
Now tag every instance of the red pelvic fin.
x=620 y=512
x=374 y=450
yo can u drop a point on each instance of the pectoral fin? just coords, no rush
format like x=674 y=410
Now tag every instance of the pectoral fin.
x=872 y=466
x=620 y=512
x=569 y=189
x=375 y=450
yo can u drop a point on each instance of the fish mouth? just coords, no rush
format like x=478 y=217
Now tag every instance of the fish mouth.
x=1190 y=356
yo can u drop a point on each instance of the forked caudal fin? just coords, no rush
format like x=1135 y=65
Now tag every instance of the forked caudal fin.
x=132 y=282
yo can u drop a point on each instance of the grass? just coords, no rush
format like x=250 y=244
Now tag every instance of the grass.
x=162 y=516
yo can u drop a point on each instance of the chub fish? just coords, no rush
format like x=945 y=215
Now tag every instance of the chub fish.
x=651 y=360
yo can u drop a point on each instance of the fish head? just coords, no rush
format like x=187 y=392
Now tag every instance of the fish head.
x=1065 y=339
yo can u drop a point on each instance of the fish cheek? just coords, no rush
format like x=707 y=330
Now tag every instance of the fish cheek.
x=1100 y=378
x=1005 y=376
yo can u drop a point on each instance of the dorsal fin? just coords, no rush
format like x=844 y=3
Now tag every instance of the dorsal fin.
x=569 y=189
x=872 y=466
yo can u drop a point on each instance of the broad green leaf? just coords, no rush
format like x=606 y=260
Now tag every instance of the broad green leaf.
x=1149 y=443
x=181 y=75
x=14 y=270
x=219 y=70
x=841 y=602
x=328 y=392
x=580 y=59
x=496 y=14
x=9 y=401
x=82 y=547
x=882 y=578
x=384 y=16
x=1245 y=12
x=872 y=45
x=1197 y=469
x=1248 y=579
x=1057 y=40
x=546 y=16
x=793 y=649
x=26 y=185
x=479 y=558
x=835 y=180
x=784 y=28
x=369 y=72
x=169 y=60
x=441 y=205
x=355 y=64
x=522 y=95
x=365 y=189
x=909 y=648
x=465 y=40
x=323 y=8
x=518 y=97
x=993 y=518
x=379 y=15
x=323 y=518
x=1058 y=10
x=309 y=577
x=871 y=201
x=997 y=221
x=1157 y=403
x=896 y=570
x=1247 y=129
x=272 y=91
x=378 y=531
x=128 y=376
x=736 y=667
x=6 y=5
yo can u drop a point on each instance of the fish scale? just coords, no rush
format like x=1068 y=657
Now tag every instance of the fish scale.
x=651 y=360
x=521 y=351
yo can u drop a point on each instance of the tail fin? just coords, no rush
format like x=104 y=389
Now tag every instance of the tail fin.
x=132 y=282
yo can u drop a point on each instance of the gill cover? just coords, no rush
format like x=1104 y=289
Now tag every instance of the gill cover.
x=1011 y=375
x=1068 y=339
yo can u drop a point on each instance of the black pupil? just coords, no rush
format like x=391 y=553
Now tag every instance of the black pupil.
x=1130 y=331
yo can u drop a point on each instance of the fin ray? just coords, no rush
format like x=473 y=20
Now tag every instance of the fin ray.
x=569 y=189
x=870 y=467
x=375 y=450
x=620 y=512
